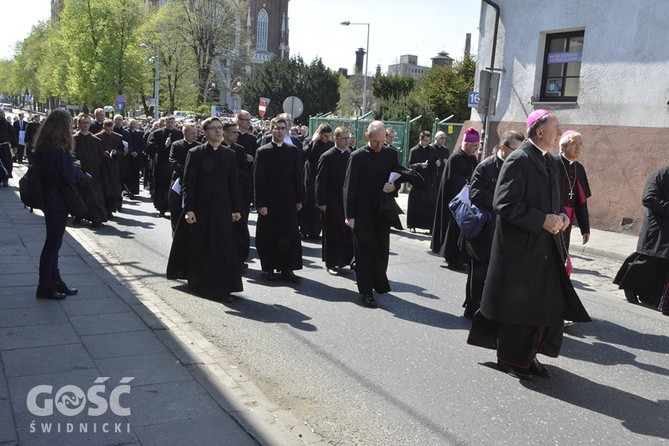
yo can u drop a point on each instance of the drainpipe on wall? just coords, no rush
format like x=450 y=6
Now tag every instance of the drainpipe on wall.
x=486 y=120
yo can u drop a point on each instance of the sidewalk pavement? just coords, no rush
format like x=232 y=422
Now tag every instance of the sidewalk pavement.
x=165 y=383
x=610 y=245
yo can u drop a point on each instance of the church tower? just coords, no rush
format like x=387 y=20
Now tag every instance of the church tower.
x=267 y=24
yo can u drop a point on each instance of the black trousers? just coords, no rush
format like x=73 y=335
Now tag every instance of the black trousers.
x=475 y=282
x=20 y=151
x=49 y=275
x=371 y=244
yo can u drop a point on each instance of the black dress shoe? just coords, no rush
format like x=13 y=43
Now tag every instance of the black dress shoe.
x=271 y=276
x=49 y=293
x=368 y=300
x=516 y=372
x=537 y=368
x=290 y=276
x=62 y=288
x=333 y=271
x=227 y=298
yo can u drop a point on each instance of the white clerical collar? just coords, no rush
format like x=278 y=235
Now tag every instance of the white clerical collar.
x=499 y=155
x=543 y=152
x=568 y=160
x=278 y=144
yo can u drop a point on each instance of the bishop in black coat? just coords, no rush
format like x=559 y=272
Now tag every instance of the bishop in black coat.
x=575 y=191
x=445 y=231
x=527 y=293
x=279 y=193
x=337 y=237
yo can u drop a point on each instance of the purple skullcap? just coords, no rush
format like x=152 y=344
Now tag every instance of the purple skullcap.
x=535 y=116
x=472 y=136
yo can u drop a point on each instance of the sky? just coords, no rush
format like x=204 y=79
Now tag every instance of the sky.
x=397 y=27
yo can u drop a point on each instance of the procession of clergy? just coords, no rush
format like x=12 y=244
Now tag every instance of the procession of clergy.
x=208 y=179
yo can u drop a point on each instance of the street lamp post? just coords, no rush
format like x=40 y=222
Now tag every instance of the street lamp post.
x=364 y=87
x=156 y=79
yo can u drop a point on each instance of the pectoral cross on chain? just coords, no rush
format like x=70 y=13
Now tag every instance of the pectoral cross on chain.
x=571 y=194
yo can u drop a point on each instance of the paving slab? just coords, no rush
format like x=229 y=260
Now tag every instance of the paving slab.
x=94 y=324
x=122 y=344
x=37 y=315
x=38 y=360
x=37 y=336
x=151 y=368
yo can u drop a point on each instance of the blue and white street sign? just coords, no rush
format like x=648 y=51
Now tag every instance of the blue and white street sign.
x=473 y=99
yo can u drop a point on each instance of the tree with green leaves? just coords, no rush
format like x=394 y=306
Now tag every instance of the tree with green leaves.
x=103 y=57
x=177 y=77
x=314 y=84
x=386 y=87
x=445 y=89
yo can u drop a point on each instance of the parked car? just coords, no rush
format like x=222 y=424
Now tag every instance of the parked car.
x=7 y=107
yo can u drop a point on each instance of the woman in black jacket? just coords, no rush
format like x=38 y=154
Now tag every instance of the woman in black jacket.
x=53 y=155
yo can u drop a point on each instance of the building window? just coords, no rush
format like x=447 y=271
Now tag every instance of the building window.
x=562 y=67
x=261 y=37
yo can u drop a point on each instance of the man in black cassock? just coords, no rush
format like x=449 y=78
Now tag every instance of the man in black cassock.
x=337 y=237
x=249 y=141
x=527 y=294
x=178 y=153
x=279 y=193
x=442 y=154
x=158 y=147
x=134 y=159
x=368 y=207
x=203 y=248
x=481 y=194
x=420 y=206
x=310 y=218
x=458 y=170
x=240 y=228
x=7 y=141
x=89 y=151
x=112 y=189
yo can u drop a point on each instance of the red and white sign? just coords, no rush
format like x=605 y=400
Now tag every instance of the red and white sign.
x=262 y=108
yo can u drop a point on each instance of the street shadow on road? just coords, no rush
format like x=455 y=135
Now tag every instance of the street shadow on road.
x=610 y=333
x=271 y=314
x=402 y=287
x=423 y=236
x=637 y=414
x=108 y=230
x=419 y=314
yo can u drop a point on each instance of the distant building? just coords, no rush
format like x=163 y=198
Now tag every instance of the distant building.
x=609 y=84
x=408 y=66
x=442 y=59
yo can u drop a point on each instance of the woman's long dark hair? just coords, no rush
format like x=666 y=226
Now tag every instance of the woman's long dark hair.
x=55 y=132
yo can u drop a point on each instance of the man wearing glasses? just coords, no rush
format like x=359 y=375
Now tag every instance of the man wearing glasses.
x=337 y=237
x=278 y=193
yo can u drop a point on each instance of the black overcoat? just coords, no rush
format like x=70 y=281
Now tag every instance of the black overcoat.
x=481 y=194
x=337 y=237
x=654 y=235
x=278 y=186
x=89 y=151
x=527 y=283
x=445 y=231
x=204 y=252
x=421 y=201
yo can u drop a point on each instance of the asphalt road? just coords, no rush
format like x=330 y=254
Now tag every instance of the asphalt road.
x=403 y=374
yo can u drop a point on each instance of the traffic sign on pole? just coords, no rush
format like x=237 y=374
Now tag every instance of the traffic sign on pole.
x=262 y=108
